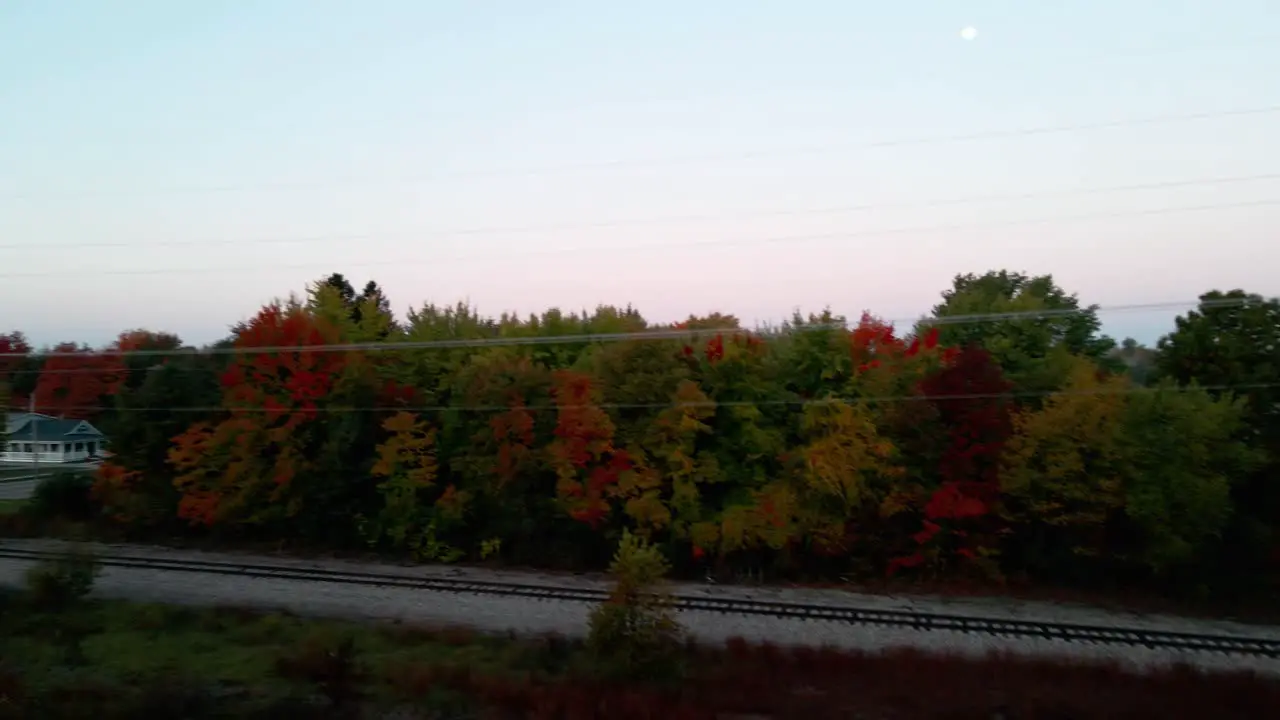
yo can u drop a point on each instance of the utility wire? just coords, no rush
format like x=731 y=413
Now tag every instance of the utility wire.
x=797 y=402
x=656 y=246
x=638 y=336
x=747 y=155
x=646 y=222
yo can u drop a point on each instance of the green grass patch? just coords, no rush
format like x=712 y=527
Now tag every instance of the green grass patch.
x=11 y=507
x=260 y=660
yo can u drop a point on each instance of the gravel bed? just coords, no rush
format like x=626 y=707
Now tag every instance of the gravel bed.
x=531 y=616
x=995 y=608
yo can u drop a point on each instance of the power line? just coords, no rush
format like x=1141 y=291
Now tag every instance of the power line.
x=638 y=336
x=797 y=402
x=660 y=246
x=744 y=155
x=644 y=222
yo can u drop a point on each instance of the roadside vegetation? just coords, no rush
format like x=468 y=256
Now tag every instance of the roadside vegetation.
x=64 y=654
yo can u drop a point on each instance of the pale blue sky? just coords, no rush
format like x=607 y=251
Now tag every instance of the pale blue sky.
x=198 y=138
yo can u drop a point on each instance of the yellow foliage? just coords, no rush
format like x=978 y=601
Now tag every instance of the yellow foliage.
x=1063 y=465
x=407 y=456
x=846 y=453
x=661 y=492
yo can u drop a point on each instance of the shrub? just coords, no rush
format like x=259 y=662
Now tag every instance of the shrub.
x=62 y=582
x=634 y=633
x=64 y=495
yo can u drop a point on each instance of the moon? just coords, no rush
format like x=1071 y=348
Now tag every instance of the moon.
x=969 y=33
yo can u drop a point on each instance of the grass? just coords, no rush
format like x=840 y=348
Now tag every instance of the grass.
x=143 y=645
x=11 y=507
x=244 y=663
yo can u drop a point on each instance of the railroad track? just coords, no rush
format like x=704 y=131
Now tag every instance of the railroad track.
x=916 y=620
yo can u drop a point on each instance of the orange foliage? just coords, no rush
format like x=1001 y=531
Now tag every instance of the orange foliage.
x=113 y=490
x=248 y=461
x=583 y=456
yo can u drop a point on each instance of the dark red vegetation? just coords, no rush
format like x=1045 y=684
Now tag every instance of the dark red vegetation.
x=762 y=681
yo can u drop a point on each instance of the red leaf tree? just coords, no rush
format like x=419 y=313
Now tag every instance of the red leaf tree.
x=586 y=463
x=242 y=468
x=969 y=397
x=77 y=382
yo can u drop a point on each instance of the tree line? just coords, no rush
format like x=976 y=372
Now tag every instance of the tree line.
x=1003 y=436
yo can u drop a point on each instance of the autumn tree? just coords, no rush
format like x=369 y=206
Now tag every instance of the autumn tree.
x=971 y=410
x=660 y=415
x=665 y=490
x=144 y=349
x=1063 y=470
x=414 y=511
x=738 y=374
x=135 y=485
x=583 y=456
x=753 y=416
x=494 y=434
x=77 y=382
x=845 y=471
x=255 y=465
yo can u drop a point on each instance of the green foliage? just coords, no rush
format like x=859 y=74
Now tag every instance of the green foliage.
x=1184 y=449
x=1231 y=345
x=634 y=633
x=146 y=418
x=65 y=494
x=57 y=589
x=1031 y=350
x=1062 y=470
x=60 y=583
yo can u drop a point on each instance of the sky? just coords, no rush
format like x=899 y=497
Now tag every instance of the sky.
x=173 y=166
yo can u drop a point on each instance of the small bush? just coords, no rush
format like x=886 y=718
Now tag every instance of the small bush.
x=634 y=634
x=65 y=495
x=58 y=584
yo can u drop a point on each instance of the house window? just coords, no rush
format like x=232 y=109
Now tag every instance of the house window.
x=26 y=447
x=79 y=447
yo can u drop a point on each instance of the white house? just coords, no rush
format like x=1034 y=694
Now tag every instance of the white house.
x=33 y=437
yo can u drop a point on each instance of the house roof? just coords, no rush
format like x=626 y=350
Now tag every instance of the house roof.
x=16 y=420
x=50 y=429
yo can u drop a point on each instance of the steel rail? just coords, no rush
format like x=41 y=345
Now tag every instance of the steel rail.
x=912 y=619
